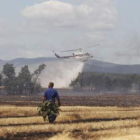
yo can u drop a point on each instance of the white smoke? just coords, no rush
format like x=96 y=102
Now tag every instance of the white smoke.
x=61 y=72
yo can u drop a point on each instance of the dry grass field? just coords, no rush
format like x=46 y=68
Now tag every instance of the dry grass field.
x=107 y=117
x=73 y=123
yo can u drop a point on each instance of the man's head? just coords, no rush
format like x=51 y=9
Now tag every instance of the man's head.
x=51 y=84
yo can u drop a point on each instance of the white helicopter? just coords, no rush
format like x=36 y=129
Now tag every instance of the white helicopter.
x=79 y=54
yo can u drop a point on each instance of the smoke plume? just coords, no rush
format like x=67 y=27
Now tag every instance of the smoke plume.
x=61 y=72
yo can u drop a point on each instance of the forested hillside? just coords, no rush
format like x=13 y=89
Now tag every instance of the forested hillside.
x=107 y=82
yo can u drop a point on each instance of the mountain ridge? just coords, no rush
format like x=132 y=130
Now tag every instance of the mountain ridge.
x=90 y=66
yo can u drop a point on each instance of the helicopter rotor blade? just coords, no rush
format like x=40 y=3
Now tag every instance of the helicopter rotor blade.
x=79 y=49
x=94 y=46
x=72 y=50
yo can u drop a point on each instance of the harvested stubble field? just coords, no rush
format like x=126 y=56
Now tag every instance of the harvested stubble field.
x=20 y=120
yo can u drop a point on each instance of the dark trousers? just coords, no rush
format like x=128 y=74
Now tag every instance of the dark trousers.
x=51 y=118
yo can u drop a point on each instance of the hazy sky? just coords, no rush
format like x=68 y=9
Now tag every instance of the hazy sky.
x=33 y=28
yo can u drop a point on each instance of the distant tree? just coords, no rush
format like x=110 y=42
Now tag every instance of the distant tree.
x=28 y=82
x=9 y=71
x=35 y=86
x=37 y=72
x=78 y=82
x=1 y=79
x=25 y=83
x=10 y=80
x=24 y=80
x=106 y=81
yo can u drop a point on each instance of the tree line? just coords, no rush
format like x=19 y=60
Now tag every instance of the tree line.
x=106 y=82
x=25 y=82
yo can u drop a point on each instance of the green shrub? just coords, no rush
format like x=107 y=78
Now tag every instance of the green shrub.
x=48 y=108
